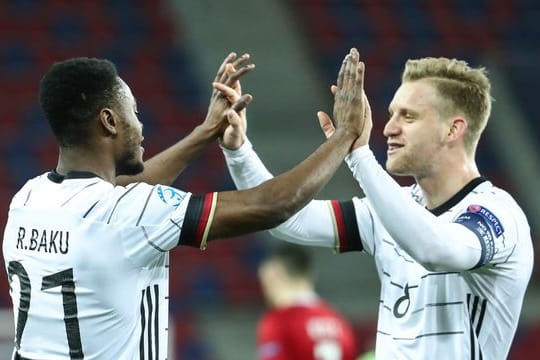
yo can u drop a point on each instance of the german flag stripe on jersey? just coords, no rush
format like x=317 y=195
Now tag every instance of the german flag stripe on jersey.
x=198 y=219
x=345 y=226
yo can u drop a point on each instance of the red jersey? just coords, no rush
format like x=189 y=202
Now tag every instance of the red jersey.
x=307 y=330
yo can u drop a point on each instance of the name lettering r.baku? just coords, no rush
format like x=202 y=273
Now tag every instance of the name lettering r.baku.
x=43 y=240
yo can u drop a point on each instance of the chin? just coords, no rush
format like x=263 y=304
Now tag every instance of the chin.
x=394 y=168
x=130 y=168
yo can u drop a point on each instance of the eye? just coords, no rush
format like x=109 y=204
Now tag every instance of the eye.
x=407 y=115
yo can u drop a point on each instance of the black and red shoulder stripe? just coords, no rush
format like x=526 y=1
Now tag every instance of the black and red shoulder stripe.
x=346 y=226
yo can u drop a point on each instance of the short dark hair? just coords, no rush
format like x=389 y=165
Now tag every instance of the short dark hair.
x=72 y=92
x=295 y=259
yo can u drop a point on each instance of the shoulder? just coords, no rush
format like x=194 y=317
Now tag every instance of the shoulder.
x=148 y=204
x=163 y=193
x=23 y=193
x=494 y=203
x=494 y=215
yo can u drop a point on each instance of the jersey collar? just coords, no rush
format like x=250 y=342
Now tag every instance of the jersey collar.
x=58 y=178
x=441 y=209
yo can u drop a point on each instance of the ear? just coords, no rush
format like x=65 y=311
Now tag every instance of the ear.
x=458 y=127
x=108 y=121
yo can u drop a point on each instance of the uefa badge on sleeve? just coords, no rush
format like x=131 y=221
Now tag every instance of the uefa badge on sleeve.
x=170 y=195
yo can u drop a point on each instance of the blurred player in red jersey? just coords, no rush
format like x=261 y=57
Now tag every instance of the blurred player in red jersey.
x=299 y=324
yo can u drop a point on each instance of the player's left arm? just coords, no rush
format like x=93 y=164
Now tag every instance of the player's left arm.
x=478 y=234
x=436 y=245
x=165 y=167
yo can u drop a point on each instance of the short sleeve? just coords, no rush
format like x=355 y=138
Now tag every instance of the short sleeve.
x=155 y=219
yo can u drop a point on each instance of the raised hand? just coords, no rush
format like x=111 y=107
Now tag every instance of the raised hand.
x=230 y=71
x=328 y=127
x=234 y=134
x=351 y=107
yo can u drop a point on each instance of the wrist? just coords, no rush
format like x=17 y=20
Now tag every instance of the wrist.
x=206 y=132
x=233 y=145
x=357 y=155
x=241 y=151
x=345 y=134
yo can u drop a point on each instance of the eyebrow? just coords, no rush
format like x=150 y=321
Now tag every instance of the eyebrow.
x=402 y=110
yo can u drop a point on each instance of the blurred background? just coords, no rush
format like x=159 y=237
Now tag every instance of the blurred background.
x=168 y=52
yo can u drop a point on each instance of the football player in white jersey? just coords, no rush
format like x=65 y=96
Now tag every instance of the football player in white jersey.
x=87 y=259
x=453 y=252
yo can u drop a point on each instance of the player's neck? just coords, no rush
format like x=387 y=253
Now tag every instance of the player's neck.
x=446 y=181
x=83 y=159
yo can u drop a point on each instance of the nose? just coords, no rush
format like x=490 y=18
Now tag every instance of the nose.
x=391 y=128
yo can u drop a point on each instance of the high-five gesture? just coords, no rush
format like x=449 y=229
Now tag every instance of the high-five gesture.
x=348 y=104
x=351 y=106
x=230 y=71
x=167 y=165
x=234 y=134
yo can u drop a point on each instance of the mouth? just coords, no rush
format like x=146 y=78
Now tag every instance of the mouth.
x=394 y=147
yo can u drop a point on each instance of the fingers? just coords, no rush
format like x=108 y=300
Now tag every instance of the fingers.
x=349 y=104
x=238 y=102
x=231 y=94
x=350 y=71
x=234 y=119
x=235 y=76
x=221 y=69
x=350 y=81
x=240 y=61
x=326 y=124
x=367 y=107
x=359 y=78
x=242 y=103
x=234 y=63
x=342 y=71
x=235 y=133
x=350 y=76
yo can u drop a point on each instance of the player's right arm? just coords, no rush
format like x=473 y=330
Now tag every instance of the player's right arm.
x=325 y=223
x=275 y=200
x=319 y=223
x=199 y=219
x=166 y=166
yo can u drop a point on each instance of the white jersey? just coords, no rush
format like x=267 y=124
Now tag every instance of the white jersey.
x=456 y=315
x=88 y=262
x=470 y=313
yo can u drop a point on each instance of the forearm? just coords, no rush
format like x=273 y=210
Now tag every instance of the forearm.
x=295 y=188
x=312 y=225
x=277 y=199
x=165 y=167
x=435 y=244
x=246 y=168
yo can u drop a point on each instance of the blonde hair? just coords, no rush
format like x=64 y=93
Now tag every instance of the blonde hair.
x=465 y=90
